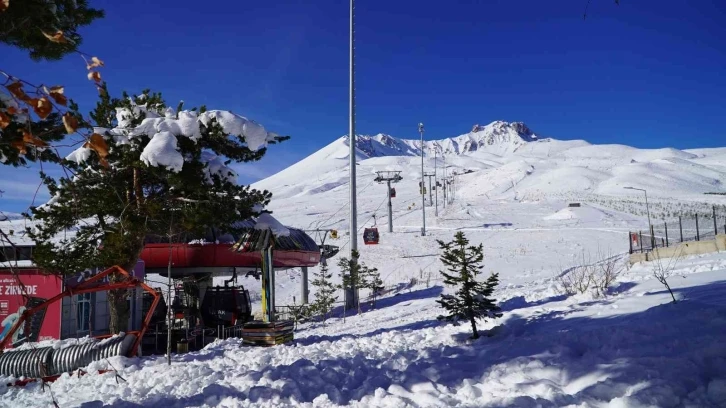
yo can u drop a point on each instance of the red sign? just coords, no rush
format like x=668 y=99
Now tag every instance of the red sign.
x=16 y=297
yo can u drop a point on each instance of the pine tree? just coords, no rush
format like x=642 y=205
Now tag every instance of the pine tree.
x=324 y=292
x=47 y=29
x=351 y=274
x=472 y=298
x=148 y=172
x=372 y=281
x=30 y=116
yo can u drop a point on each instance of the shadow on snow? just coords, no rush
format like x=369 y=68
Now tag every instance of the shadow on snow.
x=654 y=357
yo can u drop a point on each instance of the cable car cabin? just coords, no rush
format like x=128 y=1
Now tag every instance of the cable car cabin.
x=226 y=306
x=334 y=234
x=393 y=193
x=370 y=236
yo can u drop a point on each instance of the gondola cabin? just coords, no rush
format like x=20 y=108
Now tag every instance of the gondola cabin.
x=370 y=236
x=393 y=193
x=334 y=234
x=226 y=306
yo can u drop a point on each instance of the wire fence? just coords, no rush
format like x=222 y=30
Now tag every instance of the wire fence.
x=688 y=227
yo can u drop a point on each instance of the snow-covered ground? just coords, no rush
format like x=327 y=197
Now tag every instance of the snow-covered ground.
x=632 y=348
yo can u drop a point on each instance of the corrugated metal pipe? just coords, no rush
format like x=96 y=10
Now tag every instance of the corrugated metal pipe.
x=47 y=361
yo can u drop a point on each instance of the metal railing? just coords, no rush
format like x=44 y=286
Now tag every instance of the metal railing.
x=691 y=227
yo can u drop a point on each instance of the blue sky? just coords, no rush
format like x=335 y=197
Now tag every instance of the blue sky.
x=647 y=73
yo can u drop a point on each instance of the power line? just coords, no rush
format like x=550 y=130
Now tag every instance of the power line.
x=344 y=206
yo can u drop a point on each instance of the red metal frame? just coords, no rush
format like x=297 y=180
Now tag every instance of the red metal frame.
x=86 y=287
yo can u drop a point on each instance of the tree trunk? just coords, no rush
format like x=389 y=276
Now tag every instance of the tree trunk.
x=473 y=327
x=118 y=309
x=118 y=303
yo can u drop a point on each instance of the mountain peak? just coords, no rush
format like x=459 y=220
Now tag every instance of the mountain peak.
x=499 y=127
x=498 y=137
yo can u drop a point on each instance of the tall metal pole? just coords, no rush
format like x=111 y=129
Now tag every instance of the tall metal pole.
x=436 y=183
x=423 y=196
x=168 y=295
x=351 y=293
x=647 y=207
x=444 y=157
x=431 y=198
x=390 y=207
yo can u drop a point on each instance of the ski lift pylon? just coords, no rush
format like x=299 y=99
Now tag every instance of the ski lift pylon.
x=370 y=236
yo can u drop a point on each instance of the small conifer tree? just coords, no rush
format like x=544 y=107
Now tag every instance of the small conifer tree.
x=324 y=292
x=352 y=274
x=472 y=299
x=373 y=282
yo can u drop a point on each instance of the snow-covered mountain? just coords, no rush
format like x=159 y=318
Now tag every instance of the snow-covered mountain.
x=497 y=137
x=504 y=161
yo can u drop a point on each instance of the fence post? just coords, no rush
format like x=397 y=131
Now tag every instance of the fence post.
x=630 y=241
x=652 y=238
x=640 y=233
x=665 y=224
x=715 y=228
x=680 y=225
x=698 y=233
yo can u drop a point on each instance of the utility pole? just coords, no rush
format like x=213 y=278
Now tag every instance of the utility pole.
x=647 y=209
x=450 y=188
x=168 y=295
x=423 y=196
x=388 y=177
x=436 y=183
x=454 y=186
x=444 y=183
x=431 y=198
x=351 y=293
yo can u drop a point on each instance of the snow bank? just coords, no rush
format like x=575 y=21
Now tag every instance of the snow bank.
x=634 y=348
x=584 y=212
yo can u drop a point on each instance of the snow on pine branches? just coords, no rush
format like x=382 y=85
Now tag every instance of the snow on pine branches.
x=164 y=127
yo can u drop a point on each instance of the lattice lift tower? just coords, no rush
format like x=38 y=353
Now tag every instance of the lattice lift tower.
x=389 y=177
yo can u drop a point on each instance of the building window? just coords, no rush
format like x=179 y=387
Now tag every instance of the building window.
x=83 y=312
x=19 y=253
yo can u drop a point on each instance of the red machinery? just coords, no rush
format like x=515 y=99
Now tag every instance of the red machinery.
x=96 y=283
